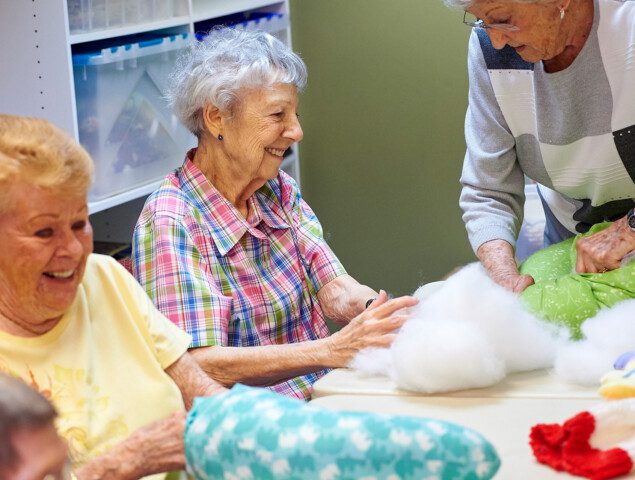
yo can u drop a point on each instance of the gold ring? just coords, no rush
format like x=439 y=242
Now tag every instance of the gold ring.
x=604 y=270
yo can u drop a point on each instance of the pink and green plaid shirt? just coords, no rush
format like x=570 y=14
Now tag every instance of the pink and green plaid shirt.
x=231 y=281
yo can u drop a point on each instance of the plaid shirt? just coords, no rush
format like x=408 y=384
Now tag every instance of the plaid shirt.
x=231 y=281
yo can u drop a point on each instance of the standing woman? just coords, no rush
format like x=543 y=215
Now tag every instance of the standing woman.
x=552 y=97
x=228 y=249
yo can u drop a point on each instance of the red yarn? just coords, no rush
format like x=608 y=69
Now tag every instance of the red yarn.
x=546 y=441
x=567 y=448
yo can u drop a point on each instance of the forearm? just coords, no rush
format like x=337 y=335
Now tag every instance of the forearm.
x=192 y=380
x=263 y=365
x=375 y=327
x=119 y=463
x=156 y=448
x=344 y=298
x=497 y=256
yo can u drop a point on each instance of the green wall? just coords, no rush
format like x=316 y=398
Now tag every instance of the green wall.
x=383 y=134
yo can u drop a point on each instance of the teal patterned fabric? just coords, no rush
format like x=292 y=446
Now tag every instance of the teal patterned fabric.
x=252 y=433
x=567 y=298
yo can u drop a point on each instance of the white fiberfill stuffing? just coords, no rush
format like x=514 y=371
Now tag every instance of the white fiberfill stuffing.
x=471 y=333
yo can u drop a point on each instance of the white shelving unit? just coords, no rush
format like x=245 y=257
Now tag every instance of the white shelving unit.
x=40 y=38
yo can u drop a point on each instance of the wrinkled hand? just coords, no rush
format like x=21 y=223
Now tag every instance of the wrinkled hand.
x=374 y=327
x=514 y=282
x=155 y=448
x=162 y=443
x=604 y=250
x=497 y=256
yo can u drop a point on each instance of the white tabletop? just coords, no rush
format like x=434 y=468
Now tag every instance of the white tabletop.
x=506 y=422
x=536 y=384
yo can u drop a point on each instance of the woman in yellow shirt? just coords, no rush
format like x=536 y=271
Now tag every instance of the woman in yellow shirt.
x=76 y=326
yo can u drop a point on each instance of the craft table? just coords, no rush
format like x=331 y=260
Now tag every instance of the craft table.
x=504 y=413
x=536 y=384
x=506 y=422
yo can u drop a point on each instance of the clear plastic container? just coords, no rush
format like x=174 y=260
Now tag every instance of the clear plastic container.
x=86 y=16
x=123 y=120
x=77 y=20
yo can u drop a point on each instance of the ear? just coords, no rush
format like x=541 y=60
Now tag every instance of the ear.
x=564 y=4
x=212 y=119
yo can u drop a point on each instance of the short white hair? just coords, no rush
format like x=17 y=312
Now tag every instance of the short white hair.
x=214 y=70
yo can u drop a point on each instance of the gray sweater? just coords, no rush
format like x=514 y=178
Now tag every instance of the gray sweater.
x=572 y=132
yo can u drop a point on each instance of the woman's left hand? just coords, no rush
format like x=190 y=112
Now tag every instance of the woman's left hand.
x=375 y=327
x=604 y=250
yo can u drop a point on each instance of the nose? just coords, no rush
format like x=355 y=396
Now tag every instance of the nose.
x=499 y=38
x=70 y=245
x=293 y=129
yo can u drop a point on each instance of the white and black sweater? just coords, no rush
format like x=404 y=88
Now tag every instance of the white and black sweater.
x=573 y=132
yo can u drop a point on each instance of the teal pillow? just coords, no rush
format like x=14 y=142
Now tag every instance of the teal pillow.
x=566 y=298
x=255 y=433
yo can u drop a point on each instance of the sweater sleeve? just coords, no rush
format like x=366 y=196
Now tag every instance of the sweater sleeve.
x=492 y=197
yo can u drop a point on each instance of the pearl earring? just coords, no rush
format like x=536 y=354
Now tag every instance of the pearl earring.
x=561 y=14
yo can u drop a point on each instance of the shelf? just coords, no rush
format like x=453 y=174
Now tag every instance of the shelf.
x=204 y=10
x=129 y=30
x=47 y=83
x=143 y=190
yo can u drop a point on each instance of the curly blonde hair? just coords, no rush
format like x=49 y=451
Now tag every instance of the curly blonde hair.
x=35 y=151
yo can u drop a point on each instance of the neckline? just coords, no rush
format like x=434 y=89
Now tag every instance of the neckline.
x=585 y=48
x=46 y=338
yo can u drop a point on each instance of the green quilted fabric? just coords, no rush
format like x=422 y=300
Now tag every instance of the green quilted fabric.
x=253 y=433
x=566 y=298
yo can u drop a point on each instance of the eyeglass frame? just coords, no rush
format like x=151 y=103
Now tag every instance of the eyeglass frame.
x=481 y=24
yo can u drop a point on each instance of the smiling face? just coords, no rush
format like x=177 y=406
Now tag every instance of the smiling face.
x=46 y=241
x=261 y=127
x=539 y=35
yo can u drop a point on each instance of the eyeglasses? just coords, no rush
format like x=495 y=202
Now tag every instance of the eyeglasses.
x=478 y=23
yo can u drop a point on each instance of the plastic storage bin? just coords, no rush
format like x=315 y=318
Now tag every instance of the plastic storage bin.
x=91 y=15
x=123 y=120
x=270 y=22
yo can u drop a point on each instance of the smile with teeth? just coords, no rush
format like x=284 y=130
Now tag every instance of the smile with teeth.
x=63 y=275
x=278 y=152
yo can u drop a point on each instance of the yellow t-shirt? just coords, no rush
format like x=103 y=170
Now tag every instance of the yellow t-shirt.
x=103 y=363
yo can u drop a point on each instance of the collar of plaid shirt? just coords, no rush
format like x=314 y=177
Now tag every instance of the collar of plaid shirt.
x=228 y=224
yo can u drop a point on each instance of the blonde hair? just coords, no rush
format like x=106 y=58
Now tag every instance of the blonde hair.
x=35 y=151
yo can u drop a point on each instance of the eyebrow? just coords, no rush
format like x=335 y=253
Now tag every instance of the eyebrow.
x=493 y=9
x=278 y=101
x=55 y=217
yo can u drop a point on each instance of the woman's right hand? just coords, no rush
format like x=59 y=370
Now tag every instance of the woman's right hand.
x=497 y=257
x=375 y=327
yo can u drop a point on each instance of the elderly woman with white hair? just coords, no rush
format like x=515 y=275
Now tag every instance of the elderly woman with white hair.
x=228 y=249
x=551 y=98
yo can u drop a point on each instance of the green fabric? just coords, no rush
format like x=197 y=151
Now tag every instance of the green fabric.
x=566 y=298
x=253 y=433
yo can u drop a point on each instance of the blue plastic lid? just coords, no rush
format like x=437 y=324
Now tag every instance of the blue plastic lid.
x=240 y=19
x=107 y=55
